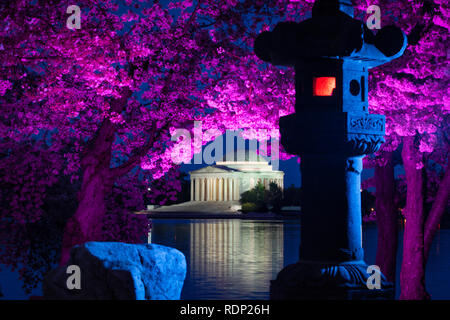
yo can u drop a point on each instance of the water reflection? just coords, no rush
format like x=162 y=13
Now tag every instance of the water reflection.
x=217 y=249
x=227 y=259
x=236 y=259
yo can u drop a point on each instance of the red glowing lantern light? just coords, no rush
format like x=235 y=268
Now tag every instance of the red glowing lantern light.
x=324 y=86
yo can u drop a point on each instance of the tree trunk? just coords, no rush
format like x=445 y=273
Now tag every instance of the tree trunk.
x=97 y=181
x=412 y=276
x=437 y=211
x=86 y=223
x=386 y=218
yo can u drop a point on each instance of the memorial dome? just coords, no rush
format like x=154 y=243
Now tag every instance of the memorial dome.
x=243 y=156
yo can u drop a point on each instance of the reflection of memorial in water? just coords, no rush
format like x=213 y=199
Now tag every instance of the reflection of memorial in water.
x=228 y=250
x=243 y=266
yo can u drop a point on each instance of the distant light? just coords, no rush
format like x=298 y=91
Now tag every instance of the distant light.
x=324 y=86
x=149 y=189
x=360 y=190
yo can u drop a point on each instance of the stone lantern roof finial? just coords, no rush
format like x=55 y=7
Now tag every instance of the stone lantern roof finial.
x=331 y=7
x=331 y=33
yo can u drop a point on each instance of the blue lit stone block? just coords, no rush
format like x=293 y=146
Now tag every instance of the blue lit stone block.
x=115 y=270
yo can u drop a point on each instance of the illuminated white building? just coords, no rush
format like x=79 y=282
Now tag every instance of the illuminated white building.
x=228 y=179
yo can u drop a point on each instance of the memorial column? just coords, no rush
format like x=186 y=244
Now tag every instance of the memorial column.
x=220 y=189
x=197 y=189
x=202 y=189
x=225 y=189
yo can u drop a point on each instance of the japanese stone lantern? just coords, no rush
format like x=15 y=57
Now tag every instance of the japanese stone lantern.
x=331 y=130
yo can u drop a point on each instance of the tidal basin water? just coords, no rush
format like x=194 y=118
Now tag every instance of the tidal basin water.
x=236 y=259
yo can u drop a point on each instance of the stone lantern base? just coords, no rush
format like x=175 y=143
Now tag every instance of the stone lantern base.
x=327 y=281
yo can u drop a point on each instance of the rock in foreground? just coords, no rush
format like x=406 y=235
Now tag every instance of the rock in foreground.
x=115 y=270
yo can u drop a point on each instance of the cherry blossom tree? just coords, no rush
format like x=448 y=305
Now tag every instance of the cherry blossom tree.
x=412 y=92
x=36 y=203
x=107 y=96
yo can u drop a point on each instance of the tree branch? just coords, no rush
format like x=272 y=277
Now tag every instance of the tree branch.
x=132 y=161
x=136 y=157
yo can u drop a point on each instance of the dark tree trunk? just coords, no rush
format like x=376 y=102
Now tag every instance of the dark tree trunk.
x=96 y=183
x=86 y=223
x=412 y=276
x=437 y=211
x=386 y=218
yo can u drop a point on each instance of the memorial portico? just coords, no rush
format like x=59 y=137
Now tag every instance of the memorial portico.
x=228 y=179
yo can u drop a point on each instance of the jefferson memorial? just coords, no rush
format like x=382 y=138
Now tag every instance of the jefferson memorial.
x=228 y=179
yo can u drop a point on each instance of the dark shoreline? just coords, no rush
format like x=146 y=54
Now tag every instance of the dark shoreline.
x=445 y=224
x=203 y=215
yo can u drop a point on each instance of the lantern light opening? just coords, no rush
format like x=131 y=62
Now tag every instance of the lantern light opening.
x=324 y=86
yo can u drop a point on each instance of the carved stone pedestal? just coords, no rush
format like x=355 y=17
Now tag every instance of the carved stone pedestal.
x=308 y=280
x=331 y=257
